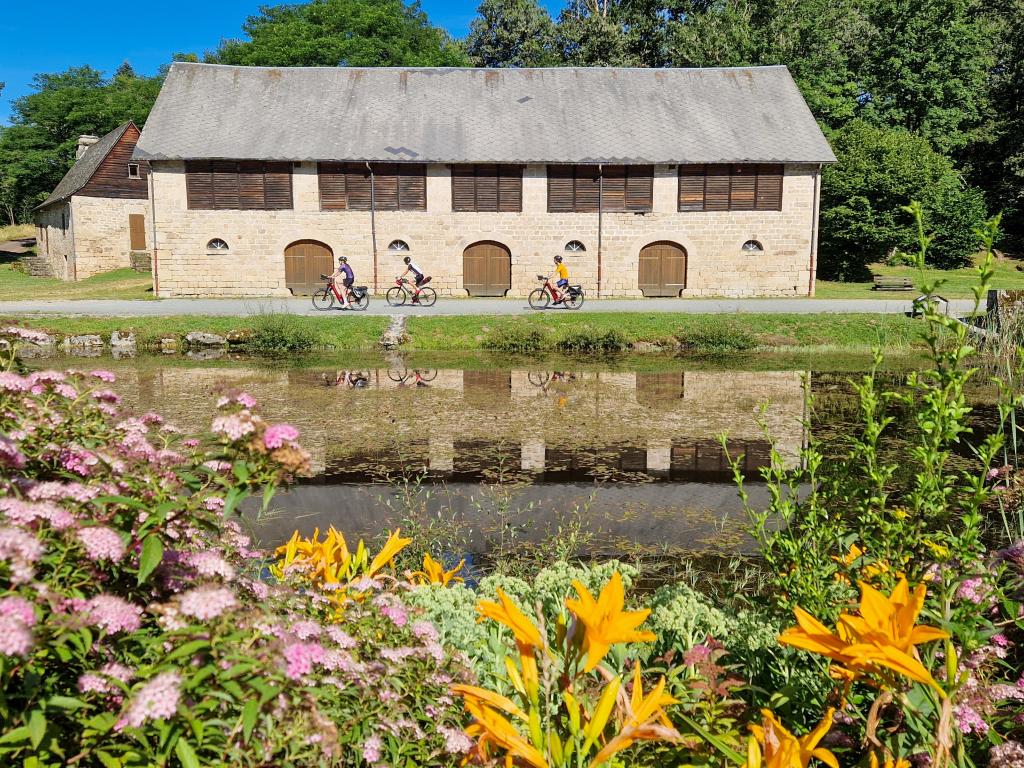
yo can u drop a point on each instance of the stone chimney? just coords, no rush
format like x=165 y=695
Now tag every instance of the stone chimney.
x=84 y=142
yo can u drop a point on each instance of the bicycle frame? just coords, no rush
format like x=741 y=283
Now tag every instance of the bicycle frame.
x=334 y=289
x=551 y=289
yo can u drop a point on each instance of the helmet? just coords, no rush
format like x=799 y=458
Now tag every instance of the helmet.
x=407 y=259
x=558 y=259
x=343 y=258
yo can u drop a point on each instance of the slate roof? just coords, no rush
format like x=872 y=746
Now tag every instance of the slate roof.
x=449 y=115
x=83 y=169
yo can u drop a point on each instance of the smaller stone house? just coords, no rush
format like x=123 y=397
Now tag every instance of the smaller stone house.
x=98 y=216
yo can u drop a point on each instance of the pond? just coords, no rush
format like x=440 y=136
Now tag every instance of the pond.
x=624 y=456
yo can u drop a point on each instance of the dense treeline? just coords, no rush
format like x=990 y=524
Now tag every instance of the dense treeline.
x=919 y=99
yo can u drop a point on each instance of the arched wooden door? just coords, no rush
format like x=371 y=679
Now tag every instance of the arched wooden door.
x=662 y=269
x=304 y=262
x=487 y=269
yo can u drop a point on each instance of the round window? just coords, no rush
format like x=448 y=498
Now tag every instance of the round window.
x=216 y=245
x=398 y=245
x=574 y=246
x=753 y=246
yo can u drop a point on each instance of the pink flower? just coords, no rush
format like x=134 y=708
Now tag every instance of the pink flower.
x=210 y=563
x=10 y=455
x=106 y=396
x=113 y=614
x=456 y=742
x=972 y=590
x=392 y=610
x=106 y=376
x=156 y=700
x=341 y=637
x=301 y=657
x=16 y=544
x=102 y=543
x=19 y=608
x=207 y=602
x=78 y=461
x=65 y=390
x=234 y=427
x=424 y=630
x=214 y=504
x=12 y=382
x=371 y=749
x=306 y=629
x=99 y=681
x=55 y=491
x=969 y=721
x=15 y=636
x=277 y=435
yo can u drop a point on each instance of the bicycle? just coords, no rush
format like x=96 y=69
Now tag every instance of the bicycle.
x=323 y=299
x=400 y=293
x=541 y=297
x=418 y=377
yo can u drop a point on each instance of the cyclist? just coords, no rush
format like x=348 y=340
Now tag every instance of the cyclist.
x=345 y=272
x=563 y=279
x=418 y=277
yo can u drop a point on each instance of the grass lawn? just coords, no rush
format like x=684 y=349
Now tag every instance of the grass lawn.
x=823 y=332
x=15 y=285
x=958 y=285
x=16 y=232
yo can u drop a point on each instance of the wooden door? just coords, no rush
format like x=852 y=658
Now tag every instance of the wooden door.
x=662 y=269
x=487 y=269
x=304 y=262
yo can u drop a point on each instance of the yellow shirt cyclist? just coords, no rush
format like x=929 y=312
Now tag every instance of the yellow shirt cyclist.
x=562 y=273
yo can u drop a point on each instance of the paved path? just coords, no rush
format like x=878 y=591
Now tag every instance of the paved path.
x=242 y=307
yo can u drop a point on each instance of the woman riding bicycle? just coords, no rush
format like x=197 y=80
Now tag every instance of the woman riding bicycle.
x=563 y=279
x=345 y=272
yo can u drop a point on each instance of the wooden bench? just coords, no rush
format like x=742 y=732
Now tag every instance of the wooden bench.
x=887 y=283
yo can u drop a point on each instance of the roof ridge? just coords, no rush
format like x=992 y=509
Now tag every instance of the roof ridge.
x=214 y=65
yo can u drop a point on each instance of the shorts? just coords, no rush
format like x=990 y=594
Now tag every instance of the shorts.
x=562 y=283
x=347 y=282
x=419 y=280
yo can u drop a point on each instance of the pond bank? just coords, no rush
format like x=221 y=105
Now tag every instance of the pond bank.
x=534 y=334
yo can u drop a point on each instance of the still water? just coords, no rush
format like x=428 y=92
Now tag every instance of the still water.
x=509 y=452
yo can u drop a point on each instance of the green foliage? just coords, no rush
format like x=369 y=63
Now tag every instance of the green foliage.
x=716 y=338
x=587 y=340
x=334 y=33
x=879 y=171
x=512 y=33
x=682 y=618
x=38 y=148
x=516 y=339
x=280 y=334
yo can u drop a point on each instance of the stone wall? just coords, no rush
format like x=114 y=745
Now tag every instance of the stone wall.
x=254 y=263
x=55 y=242
x=102 y=240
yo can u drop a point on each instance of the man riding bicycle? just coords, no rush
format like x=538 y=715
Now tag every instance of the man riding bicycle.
x=345 y=272
x=418 y=277
x=563 y=279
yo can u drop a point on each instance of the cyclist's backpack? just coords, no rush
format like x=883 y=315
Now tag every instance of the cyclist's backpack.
x=359 y=291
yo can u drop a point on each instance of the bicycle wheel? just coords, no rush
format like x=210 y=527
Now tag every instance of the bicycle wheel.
x=574 y=300
x=428 y=374
x=428 y=296
x=361 y=303
x=323 y=299
x=538 y=378
x=395 y=296
x=396 y=376
x=539 y=298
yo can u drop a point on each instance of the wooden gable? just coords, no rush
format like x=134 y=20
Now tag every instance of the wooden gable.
x=111 y=178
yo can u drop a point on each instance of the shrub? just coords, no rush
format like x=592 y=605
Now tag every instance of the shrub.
x=279 y=334
x=587 y=340
x=716 y=338
x=516 y=339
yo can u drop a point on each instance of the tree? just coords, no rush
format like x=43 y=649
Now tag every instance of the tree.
x=38 y=148
x=512 y=33
x=590 y=33
x=879 y=171
x=333 y=33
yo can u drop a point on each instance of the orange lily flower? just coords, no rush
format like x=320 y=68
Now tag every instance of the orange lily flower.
x=434 y=573
x=644 y=708
x=484 y=697
x=493 y=728
x=772 y=746
x=392 y=547
x=889 y=762
x=507 y=612
x=884 y=635
x=604 y=620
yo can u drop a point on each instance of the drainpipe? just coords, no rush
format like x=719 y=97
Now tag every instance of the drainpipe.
x=814 y=230
x=373 y=225
x=600 y=211
x=152 y=216
x=71 y=229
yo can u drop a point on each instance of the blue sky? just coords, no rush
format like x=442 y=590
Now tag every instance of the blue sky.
x=52 y=36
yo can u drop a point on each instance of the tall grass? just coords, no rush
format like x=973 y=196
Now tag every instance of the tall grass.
x=275 y=334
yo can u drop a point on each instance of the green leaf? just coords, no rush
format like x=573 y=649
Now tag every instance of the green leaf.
x=109 y=761
x=65 y=702
x=713 y=740
x=36 y=727
x=15 y=734
x=241 y=470
x=249 y=714
x=185 y=753
x=152 y=556
x=187 y=649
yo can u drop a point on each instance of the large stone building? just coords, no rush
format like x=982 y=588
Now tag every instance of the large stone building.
x=666 y=182
x=98 y=215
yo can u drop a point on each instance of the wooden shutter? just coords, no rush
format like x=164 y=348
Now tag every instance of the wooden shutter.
x=613 y=188
x=137 y=231
x=588 y=186
x=250 y=185
x=742 y=188
x=463 y=188
x=412 y=187
x=487 y=188
x=278 y=186
x=639 y=187
x=716 y=188
x=385 y=186
x=560 y=189
x=331 y=181
x=510 y=188
x=225 y=184
x=199 y=184
x=769 y=188
x=357 y=187
x=691 y=187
